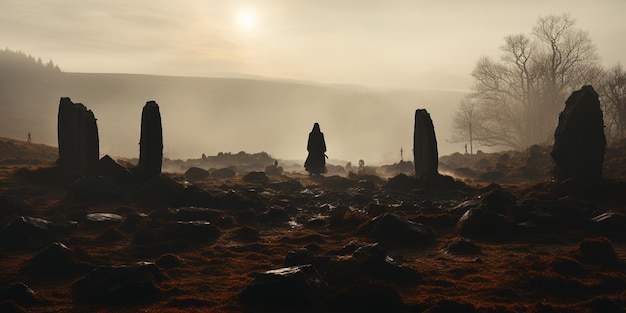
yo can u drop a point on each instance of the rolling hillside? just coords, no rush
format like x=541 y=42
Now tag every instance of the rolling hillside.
x=209 y=115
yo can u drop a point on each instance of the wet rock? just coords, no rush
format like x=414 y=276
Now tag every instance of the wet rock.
x=391 y=229
x=96 y=188
x=18 y=292
x=196 y=214
x=368 y=298
x=610 y=224
x=596 y=251
x=27 y=232
x=196 y=173
x=223 y=173
x=150 y=143
x=107 y=167
x=256 y=177
x=463 y=246
x=480 y=223
x=425 y=153
x=579 y=141
x=296 y=287
x=198 y=231
x=55 y=260
x=103 y=219
x=137 y=282
x=168 y=261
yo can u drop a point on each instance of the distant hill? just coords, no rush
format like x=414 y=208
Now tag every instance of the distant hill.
x=211 y=115
x=20 y=152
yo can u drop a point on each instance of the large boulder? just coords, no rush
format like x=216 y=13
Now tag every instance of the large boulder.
x=579 y=141
x=196 y=173
x=55 y=260
x=27 y=232
x=296 y=287
x=107 y=167
x=137 y=282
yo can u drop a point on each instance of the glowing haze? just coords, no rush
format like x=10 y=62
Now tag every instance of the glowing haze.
x=385 y=44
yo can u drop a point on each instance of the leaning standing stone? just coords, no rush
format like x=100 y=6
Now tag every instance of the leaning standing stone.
x=89 y=143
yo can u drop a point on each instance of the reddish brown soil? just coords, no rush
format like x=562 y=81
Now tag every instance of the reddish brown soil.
x=510 y=275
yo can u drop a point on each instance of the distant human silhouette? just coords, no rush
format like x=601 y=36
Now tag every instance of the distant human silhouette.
x=316 y=161
x=29 y=139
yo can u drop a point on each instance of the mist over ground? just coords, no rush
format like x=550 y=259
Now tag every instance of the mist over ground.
x=212 y=115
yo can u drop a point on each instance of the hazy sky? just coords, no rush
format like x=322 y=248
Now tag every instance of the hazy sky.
x=422 y=44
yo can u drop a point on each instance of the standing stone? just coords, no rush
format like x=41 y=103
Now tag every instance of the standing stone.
x=89 y=143
x=78 y=137
x=579 y=141
x=68 y=131
x=151 y=142
x=425 y=147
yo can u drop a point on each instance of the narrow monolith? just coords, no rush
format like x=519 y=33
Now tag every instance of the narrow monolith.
x=579 y=141
x=89 y=143
x=68 y=131
x=425 y=147
x=151 y=142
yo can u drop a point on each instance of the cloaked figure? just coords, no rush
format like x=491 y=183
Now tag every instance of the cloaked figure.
x=316 y=161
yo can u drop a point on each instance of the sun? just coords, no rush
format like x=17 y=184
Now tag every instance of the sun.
x=246 y=20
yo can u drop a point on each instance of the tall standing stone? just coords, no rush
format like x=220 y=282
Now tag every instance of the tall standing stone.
x=579 y=141
x=425 y=147
x=77 y=133
x=151 y=142
x=89 y=143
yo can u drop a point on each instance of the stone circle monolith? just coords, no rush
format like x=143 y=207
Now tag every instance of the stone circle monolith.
x=425 y=147
x=579 y=141
x=151 y=142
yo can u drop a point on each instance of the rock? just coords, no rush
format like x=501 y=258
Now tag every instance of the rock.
x=27 y=232
x=391 y=229
x=103 y=219
x=135 y=282
x=223 y=173
x=18 y=292
x=485 y=225
x=275 y=214
x=164 y=190
x=89 y=143
x=151 y=143
x=610 y=224
x=170 y=261
x=425 y=152
x=297 y=287
x=12 y=205
x=196 y=173
x=198 y=231
x=132 y=220
x=273 y=170
x=246 y=234
x=107 y=167
x=463 y=246
x=256 y=177
x=497 y=200
x=579 y=141
x=55 y=260
x=191 y=213
x=96 y=188
x=596 y=251
x=368 y=298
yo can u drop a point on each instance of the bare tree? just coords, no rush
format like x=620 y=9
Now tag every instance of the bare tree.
x=613 y=96
x=466 y=123
x=518 y=98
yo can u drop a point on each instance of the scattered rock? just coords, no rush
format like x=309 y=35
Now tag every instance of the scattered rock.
x=596 y=251
x=121 y=284
x=256 y=177
x=103 y=219
x=463 y=246
x=55 y=260
x=223 y=173
x=196 y=173
x=18 y=292
x=168 y=261
x=198 y=231
x=485 y=225
x=107 y=167
x=27 y=232
x=391 y=229
x=246 y=234
x=273 y=170
x=297 y=287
